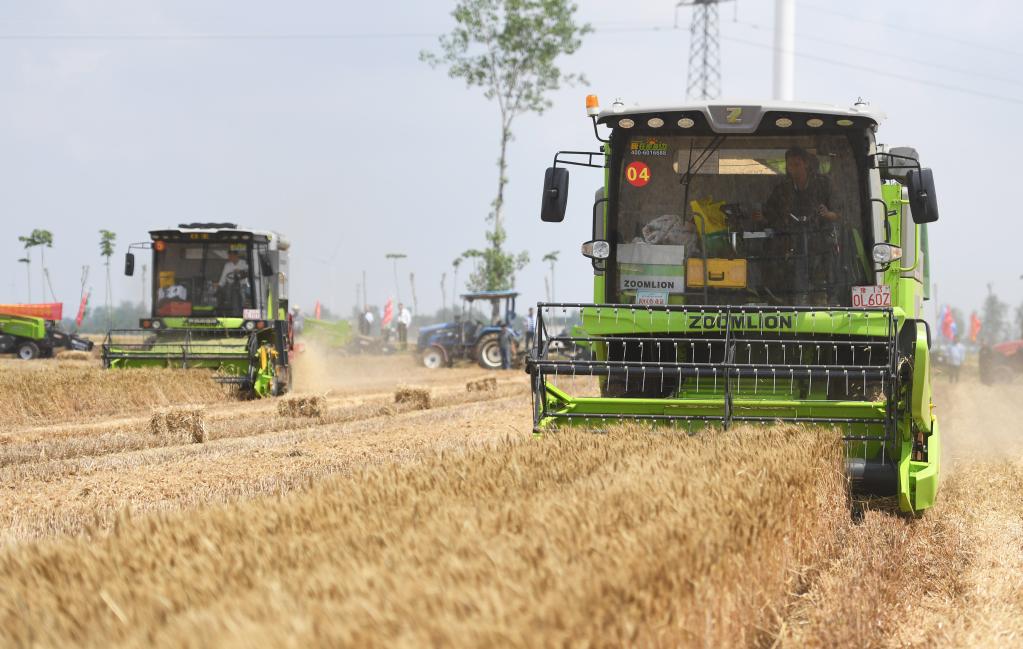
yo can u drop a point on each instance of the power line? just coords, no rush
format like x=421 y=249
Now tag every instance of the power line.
x=910 y=30
x=900 y=57
x=198 y=36
x=883 y=73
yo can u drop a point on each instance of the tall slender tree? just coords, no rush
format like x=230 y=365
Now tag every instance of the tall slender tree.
x=106 y=249
x=29 y=242
x=44 y=240
x=509 y=48
x=28 y=274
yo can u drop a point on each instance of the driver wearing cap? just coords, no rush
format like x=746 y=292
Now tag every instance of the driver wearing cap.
x=234 y=263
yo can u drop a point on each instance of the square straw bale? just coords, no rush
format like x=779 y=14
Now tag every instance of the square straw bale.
x=418 y=398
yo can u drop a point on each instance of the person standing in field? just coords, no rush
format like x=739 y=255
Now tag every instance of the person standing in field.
x=530 y=321
x=404 y=320
x=504 y=341
x=956 y=356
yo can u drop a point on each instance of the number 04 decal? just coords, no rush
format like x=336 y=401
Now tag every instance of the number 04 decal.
x=637 y=173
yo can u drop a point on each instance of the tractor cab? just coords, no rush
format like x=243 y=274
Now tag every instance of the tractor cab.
x=220 y=301
x=473 y=335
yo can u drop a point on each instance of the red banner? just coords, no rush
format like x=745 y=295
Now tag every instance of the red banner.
x=974 y=326
x=388 y=313
x=81 y=309
x=48 y=311
x=316 y=310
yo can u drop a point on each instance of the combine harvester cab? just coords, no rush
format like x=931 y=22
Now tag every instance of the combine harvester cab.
x=752 y=264
x=220 y=302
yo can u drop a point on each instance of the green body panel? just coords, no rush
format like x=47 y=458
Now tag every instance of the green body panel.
x=29 y=327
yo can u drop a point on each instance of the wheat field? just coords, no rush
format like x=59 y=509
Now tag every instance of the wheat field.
x=345 y=518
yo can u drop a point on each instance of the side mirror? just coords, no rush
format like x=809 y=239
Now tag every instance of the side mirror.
x=555 y=195
x=129 y=264
x=266 y=268
x=922 y=200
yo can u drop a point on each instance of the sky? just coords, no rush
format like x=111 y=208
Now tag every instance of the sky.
x=317 y=119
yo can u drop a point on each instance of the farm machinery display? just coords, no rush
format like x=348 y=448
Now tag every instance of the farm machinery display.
x=1001 y=363
x=440 y=345
x=32 y=331
x=752 y=264
x=220 y=302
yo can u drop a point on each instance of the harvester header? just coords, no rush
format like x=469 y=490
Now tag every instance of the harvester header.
x=752 y=263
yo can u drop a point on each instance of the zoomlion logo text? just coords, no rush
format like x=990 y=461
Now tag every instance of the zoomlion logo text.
x=647 y=283
x=648 y=146
x=741 y=321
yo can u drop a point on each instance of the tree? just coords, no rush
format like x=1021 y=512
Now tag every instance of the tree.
x=1019 y=320
x=509 y=49
x=552 y=258
x=106 y=249
x=44 y=240
x=28 y=274
x=994 y=316
x=29 y=242
x=454 y=284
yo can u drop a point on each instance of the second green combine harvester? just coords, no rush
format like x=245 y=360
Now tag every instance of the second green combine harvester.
x=753 y=264
x=220 y=302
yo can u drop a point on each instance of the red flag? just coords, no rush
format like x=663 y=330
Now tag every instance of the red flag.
x=81 y=309
x=388 y=313
x=316 y=311
x=974 y=326
x=948 y=324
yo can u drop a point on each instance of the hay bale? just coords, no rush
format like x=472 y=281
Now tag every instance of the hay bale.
x=185 y=422
x=313 y=406
x=417 y=398
x=482 y=385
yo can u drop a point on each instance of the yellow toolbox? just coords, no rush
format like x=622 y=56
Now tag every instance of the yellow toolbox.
x=721 y=273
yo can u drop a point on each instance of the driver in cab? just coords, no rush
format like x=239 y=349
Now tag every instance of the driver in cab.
x=803 y=197
x=234 y=269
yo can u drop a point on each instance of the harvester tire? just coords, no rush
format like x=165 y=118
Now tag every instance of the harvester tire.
x=434 y=357
x=28 y=350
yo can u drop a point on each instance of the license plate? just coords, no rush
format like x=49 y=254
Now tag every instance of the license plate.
x=652 y=298
x=871 y=297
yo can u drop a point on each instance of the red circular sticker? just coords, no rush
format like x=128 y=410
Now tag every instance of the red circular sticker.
x=637 y=173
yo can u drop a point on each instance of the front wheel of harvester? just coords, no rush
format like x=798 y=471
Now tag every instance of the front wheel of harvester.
x=488 y=352
x=28 y=351
x=433 y=357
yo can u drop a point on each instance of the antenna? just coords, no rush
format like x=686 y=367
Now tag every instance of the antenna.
x=704 y=77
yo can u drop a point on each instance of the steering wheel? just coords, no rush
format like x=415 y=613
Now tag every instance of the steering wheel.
x=237 y=275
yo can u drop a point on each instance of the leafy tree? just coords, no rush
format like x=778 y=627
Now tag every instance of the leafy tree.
x=509 y=49
x=44 y=240
x=994 y=316
x=1019 y=320
x=106 y=249
x=29 y=242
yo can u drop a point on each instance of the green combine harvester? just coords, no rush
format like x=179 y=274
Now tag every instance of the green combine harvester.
x=220 y=302
x=752 y=264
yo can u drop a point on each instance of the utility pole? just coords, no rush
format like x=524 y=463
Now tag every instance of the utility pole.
x=784 y=49
x=704 y=76
x=443 y=294
x=395 y=256
x=415 y=302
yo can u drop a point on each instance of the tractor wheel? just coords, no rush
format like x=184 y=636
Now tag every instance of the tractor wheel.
x=28 y=350
x=488 y=352
x=433 y=357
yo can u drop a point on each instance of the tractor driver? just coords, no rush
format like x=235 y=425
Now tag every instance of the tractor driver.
x=230 y=290
x=799 y=210
x=234 y=269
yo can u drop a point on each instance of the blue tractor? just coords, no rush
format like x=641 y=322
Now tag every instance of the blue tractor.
x=468 y=338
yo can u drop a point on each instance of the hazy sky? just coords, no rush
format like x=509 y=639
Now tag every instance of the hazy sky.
x=317 y=119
